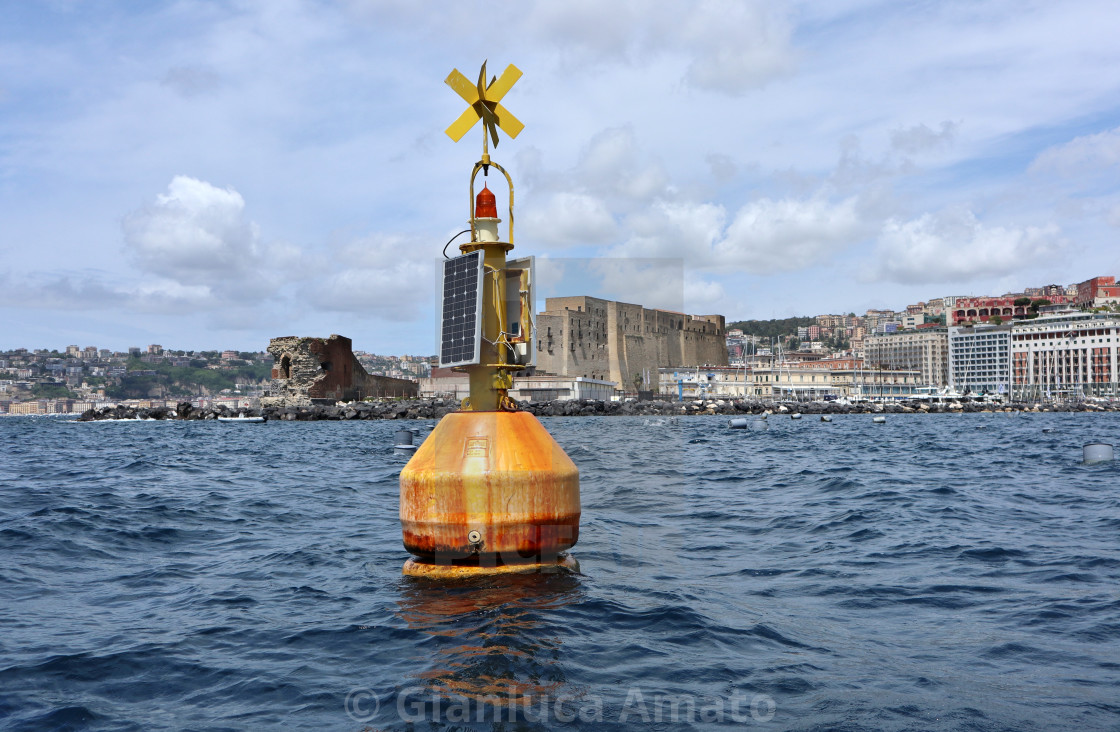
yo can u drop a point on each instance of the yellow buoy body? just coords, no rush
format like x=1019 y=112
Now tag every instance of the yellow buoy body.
x=489 y=489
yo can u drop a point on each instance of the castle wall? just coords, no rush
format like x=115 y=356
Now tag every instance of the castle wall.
x=616 y=341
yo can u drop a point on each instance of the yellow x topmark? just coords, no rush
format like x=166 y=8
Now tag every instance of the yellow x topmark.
x=484 y=103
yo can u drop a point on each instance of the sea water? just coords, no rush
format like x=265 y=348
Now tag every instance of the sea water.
x=935 y=572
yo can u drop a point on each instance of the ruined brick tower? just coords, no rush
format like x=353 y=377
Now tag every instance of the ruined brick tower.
x=323 y=371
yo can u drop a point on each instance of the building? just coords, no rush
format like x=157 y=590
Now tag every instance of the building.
x=1097 y=292
x=622 y=342
x=910 y=321
x=823 y=379
x=925 y=350
x=702 y=383
x=980 y=359
x=1065 y=356
x=447 y=384
x=323 y=371
x=981 y=309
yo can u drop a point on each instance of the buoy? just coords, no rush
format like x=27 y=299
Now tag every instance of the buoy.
x=759 y=425
x=879 y=419
x=489 y=491
x=737 y=423
x=1097 y=452
x=826 y=417
x=795 y=415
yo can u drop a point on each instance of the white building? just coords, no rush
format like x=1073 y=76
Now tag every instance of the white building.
x=980 y=359
x=1068 y=355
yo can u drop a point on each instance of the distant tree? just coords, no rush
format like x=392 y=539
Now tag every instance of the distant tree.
x=1036 y=304
x=777 y=328
x=52 y=391
x=1022 y=302
x=995 y=320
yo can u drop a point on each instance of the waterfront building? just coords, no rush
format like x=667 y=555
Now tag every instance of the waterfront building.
x=925 y=350
x=980 y=359
x=822 y=379
x=622 y=342
x=1066 y=356
x=447 y=384
x=710 y=382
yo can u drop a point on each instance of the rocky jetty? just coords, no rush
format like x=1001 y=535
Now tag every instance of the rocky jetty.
x=435 y=408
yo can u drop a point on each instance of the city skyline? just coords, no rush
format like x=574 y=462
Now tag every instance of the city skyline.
x=204 y=174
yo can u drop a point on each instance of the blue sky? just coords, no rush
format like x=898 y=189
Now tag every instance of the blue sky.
x=213 y=174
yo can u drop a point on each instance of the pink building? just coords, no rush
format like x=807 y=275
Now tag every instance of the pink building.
x=1098 y=291
x=980 y=309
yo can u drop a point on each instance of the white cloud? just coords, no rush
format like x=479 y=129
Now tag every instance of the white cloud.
x=613 y=166
x=788 y=234
x=920 y=138
x=765 y=236
x=953 y=246
x=381 y=275
x=195 y=231
x=1086 y=154
x=569 y=219
x=665 y=229
x=728 y=46
x=652 y=282
x=735 y=46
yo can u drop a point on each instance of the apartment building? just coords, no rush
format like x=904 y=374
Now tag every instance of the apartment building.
x=1066 y=356
x=925 y=350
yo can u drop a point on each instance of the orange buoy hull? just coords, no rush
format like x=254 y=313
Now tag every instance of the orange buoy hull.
x=489 y=488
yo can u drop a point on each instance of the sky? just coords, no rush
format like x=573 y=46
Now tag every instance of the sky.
x=215 y=174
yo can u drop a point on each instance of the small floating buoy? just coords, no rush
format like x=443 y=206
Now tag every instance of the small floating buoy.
x=759 y=424
x=403 y=440
x=879 y=419
x=738 y=423
x=826 y=417
x=1097 y=452
x=795 y=415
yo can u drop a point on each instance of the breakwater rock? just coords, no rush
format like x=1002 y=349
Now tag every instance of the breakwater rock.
x=435 y=408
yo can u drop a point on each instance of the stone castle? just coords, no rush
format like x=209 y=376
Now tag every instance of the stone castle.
x=324 y=371
x=622 y=342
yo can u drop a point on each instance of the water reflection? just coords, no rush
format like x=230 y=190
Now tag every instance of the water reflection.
x=497 y=645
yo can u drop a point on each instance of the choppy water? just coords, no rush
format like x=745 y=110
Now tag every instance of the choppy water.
x=935 y=572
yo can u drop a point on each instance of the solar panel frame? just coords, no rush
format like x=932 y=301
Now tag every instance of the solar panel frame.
x=461 y=310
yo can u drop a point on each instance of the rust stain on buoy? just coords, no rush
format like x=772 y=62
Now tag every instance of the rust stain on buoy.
x=509 y=494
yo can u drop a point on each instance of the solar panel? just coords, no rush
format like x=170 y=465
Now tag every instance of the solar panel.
x=461 y=321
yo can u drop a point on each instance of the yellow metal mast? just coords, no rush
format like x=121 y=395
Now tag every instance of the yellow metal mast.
x=490 y=379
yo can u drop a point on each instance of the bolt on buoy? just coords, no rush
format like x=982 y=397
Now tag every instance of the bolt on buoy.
x=489 y=491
